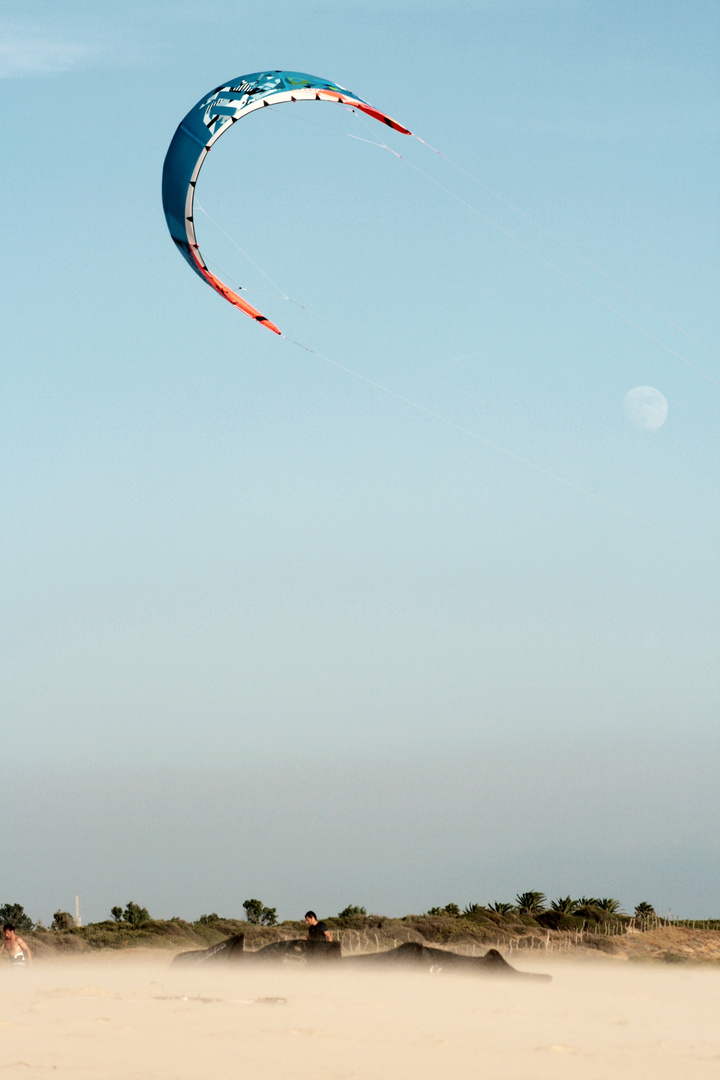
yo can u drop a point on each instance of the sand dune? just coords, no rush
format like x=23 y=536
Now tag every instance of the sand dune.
x=127 y=1016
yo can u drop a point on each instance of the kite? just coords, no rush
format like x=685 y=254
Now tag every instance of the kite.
x=205 y=123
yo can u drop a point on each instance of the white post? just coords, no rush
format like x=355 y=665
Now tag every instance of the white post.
x=78 y=920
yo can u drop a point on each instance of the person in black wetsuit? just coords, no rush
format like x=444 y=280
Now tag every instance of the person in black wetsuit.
x=316 y=930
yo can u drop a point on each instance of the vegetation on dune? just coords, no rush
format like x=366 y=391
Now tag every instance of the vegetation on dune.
x=352 y=916
x=351 y=911
x=473 y=910
x=450 y=909
x=597 y=923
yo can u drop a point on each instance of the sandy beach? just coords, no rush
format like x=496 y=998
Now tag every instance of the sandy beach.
x=131 y=1016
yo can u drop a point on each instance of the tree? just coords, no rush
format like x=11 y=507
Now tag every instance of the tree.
x=269 y=916
x=62 y=920
x=253 y=910
x=609 y=905
x=133 y=914
x=644 y=909
x=15 y=915
x=136 y=915
x=530 y=903
x=564 y=905
x=502 y=907
x=588 y=906
x=257 y=913
x=208 y=920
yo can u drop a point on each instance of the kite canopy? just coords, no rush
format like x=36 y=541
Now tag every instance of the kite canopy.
x=205 y=123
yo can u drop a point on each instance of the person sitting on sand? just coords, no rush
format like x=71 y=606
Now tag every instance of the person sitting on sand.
x=18 y=950
x=316 y=930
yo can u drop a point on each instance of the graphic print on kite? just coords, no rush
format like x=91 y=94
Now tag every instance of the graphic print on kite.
x=206 y=122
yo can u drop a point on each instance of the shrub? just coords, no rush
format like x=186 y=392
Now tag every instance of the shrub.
x=554 y=920
x=351 y=912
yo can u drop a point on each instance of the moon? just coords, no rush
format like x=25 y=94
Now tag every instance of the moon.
x=645 y=407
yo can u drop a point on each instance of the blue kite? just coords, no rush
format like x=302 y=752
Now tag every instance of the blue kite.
x=205 y=123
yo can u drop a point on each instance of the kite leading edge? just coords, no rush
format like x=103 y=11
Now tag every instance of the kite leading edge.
x=205 y=123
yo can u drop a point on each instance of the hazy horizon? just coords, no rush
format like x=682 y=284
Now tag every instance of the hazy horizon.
x=394 y=834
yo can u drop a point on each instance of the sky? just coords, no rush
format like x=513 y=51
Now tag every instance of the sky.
x=402 y=607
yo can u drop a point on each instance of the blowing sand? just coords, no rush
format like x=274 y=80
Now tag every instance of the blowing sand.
x=130 y=1017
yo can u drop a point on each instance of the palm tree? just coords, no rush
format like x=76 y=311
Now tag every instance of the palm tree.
x=473 y=909
x=530 y=903
x=501 y=907
x=588 y=905
x=564 y=905
x=449 y=909
x=607 y=904
x=643 y=909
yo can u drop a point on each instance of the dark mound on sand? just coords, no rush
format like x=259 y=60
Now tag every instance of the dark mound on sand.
x=233 y=948
x=413 y=954
x=409 y=954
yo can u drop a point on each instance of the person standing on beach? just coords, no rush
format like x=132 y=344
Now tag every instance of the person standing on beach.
x=316 y=930
x=18 y=950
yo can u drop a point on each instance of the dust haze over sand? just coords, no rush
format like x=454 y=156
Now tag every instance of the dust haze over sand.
x=131 y=1017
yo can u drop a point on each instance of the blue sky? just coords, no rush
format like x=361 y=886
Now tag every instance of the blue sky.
x=255 y=605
